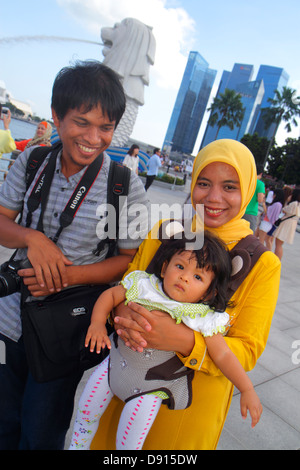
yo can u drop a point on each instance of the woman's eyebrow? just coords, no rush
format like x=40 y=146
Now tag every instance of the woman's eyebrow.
x=232 y=181
x=202 y=178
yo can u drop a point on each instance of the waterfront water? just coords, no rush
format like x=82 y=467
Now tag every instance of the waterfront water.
x=19 y=130
x=22 y=129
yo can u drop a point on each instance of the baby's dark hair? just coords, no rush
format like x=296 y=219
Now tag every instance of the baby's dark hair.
x=213 y=255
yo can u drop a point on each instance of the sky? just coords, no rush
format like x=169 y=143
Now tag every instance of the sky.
x=224 y=32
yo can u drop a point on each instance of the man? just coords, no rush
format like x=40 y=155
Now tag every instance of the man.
x=258 y=197
x=154 y=164
x=87 y=103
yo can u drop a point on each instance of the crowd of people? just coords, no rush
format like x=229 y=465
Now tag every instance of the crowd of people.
x=184 y=334
x=273 y=214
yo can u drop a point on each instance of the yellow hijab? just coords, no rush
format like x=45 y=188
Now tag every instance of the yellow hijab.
x=239 y=156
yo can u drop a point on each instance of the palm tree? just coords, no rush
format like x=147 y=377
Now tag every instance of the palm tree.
x=226 y=110
x=285 y=106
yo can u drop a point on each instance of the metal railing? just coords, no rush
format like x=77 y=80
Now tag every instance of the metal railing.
x=11 y=160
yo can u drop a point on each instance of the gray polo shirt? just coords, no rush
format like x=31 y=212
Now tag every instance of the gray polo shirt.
x=78 y=240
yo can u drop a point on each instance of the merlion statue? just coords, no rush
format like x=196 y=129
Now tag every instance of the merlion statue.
x=129 y=49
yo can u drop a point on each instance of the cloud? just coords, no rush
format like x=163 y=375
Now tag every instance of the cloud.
x=173 y=29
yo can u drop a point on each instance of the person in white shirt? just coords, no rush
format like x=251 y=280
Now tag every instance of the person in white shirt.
x=131 y=160
x=154 y=164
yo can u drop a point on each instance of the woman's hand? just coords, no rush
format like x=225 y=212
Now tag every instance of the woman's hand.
x=140 y=328
x=131 y=325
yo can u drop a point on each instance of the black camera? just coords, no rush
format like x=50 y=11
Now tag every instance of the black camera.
x=10 y=281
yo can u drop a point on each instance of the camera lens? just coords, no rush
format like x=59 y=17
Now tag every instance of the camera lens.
x=9 y=283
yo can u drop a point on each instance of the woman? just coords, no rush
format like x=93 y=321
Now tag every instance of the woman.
x=223 y=180
x=287 y=195
x=41 y=137
x=286 y=230
x=273 y=213
x=131 y=160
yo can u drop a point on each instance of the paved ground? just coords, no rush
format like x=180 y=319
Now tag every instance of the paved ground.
x=277 y=373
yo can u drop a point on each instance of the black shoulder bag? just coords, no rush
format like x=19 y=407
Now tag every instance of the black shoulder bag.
x=279 y=221
x=54 y=328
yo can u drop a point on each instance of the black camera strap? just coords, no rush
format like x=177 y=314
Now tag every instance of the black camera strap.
x=40 y=192
x=79 y=194
x=43 y=181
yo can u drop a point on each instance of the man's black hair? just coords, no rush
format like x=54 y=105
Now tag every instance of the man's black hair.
x=213 y=255
x=86 y=85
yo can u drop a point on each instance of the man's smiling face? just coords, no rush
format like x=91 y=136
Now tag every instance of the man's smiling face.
x=84 y=136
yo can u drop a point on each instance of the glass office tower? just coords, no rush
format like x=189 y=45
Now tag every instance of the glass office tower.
x=251 y=94
x=240 y=74
x=254 y=97
x=274 y=78
x=190 y=105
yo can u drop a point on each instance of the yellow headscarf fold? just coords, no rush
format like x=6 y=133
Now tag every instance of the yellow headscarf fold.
x=239 y=157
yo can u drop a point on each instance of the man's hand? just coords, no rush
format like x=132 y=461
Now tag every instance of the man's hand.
x=49 y=264
x=30 y=281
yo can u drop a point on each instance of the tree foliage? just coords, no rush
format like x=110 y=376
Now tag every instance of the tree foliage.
x=226 y=110
x=284 y=162
x=284 y=107
x=257 y=145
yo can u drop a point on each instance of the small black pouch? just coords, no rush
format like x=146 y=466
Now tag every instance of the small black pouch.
x=54 y=331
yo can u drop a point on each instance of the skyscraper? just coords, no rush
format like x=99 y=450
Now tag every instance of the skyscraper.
x=190 y=104
x=254 y=97
x=241 y=73
x=274 y=78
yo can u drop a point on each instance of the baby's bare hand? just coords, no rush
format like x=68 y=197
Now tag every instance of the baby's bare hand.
x=97 y=338
x=251 y=402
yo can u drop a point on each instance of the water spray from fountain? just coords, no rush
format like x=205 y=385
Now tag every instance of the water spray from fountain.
x=18 y=39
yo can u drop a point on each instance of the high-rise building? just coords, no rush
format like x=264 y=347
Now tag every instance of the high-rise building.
x=274 y=78
x=240 y=74
x=190 y=104
x=254 y=97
